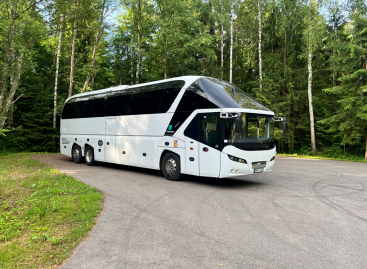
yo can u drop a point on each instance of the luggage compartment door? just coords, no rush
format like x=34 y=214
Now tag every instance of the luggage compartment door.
x=111 y=140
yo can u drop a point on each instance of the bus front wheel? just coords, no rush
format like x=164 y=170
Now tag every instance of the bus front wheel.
x=171 y=166
x=76 y=154
x=89 y=156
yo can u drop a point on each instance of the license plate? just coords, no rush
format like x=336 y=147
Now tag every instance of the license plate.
x=259 y=170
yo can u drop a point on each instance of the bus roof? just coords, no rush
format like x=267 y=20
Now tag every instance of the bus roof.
x=218 y=92
x=188 y=80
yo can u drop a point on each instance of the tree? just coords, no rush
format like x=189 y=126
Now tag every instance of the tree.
x=312 y=37
x=57 y=71
x=73 y=42
x=260 y=56
x=21 y=27
x=231 y=48
x=350 y=119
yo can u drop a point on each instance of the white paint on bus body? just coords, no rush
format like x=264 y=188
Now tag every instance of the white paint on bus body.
x=139 y=140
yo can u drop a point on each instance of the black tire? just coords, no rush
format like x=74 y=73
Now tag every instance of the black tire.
x=76 y=154
x=171 y=166
x=89 y=156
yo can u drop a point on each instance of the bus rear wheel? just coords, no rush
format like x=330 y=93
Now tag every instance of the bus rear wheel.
x=171 y=166
x=76 y=154
x=89 y=156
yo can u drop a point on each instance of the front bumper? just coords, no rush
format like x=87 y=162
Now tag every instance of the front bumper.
x=231 y=168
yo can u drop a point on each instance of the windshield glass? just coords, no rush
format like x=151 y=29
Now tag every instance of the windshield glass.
x=227 y=95
x=256 y=132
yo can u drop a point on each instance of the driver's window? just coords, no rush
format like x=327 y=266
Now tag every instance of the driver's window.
x=209 y=129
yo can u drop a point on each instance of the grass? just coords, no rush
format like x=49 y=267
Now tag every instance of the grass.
x=44 y=214
x=340 y=158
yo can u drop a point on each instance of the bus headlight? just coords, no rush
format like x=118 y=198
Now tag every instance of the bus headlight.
x=236 y=159
x=272 y=159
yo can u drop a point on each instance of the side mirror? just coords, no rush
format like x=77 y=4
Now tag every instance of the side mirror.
x=239 y=123
x=284 y=126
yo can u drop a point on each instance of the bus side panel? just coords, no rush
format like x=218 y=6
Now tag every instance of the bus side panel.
x=66 y=142
x=145 y=151
x=124 y=150
x=90 y=126
x=147 y=124
x=99 y=147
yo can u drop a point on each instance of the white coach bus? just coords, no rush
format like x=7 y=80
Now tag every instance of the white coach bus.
x=187 y=125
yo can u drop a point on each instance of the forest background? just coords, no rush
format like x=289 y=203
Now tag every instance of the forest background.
x=306 y=60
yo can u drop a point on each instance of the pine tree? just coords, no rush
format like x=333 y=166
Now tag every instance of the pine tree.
x=350 y=120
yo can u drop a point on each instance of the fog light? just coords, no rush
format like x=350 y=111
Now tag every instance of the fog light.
x=237 y=170
x=233 y=170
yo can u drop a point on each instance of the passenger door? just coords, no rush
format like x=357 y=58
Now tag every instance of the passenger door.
x=209 y=145
x=111 y=140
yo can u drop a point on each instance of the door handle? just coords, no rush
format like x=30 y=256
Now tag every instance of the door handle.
x=205 y=149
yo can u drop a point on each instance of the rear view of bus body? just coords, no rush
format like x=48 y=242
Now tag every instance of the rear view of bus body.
x=187 y=125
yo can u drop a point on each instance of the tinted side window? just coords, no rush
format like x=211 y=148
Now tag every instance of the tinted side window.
x=209 y=129
x=191 y=101
x=176 y=122
x=73 y=110
x=168 y=98
x=146 y=102
x=85 y=107
x=94 y=108
x=193 y=129
x=67 y=111
x=118 y=104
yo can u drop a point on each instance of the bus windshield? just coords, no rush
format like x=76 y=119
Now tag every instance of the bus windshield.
x=256 y=134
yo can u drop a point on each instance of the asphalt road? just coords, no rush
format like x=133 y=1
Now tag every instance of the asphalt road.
x=305 y=214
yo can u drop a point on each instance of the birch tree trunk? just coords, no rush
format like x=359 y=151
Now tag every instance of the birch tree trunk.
x=231 y=48
x=132 y=50
x=139 y=43
x=12 y=68
x=95 y=47
x=260 y=57
x=165 y=60
x=309 y=90
x=57 y=71
x=14 y=81
x=221 y=42
x=93 y=60
x=73 y=52
x=285 y=62
x=165 y=64
x=7 y=63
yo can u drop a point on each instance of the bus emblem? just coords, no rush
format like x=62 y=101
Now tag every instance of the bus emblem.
x=169 y=127
x=175 y=143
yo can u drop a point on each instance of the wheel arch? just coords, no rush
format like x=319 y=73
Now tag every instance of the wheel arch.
x=87 y=145
x=72 y=148
x=164 y=153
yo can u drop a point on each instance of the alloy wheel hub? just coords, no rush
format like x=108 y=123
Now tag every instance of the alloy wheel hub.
x=170 y=166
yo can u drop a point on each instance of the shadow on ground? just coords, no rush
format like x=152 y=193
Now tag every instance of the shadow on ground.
x=209 y=181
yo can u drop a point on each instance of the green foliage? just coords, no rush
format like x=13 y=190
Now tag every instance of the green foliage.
x=350 y=118
x=175 y=38
x=43 y=214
